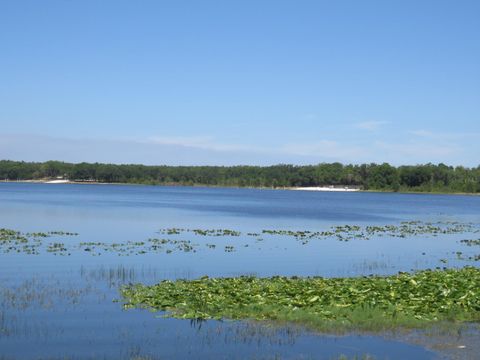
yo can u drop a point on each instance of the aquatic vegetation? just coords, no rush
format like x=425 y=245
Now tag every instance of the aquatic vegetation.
x=171 y=231
x=57 y=248
x=373 y=302
x=229 y=248
x=216 y=232
x=343 y=232
x=355 y=232
x=200 y=232
x=51 y=233
x=12 y=236
x=37 y=291
x=152 y=245
x=471 y=242
x=12 y=241
x=33 y=243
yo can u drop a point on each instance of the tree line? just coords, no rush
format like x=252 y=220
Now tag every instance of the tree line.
x=427 y=177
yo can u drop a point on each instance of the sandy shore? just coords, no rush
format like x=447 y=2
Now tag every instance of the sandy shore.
x=52 y=181
x=57 y=182
x=324 y=188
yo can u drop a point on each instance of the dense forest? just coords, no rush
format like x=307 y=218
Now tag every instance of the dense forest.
x=428 y=178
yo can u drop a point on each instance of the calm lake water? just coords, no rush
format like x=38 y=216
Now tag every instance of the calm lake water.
x=62 y=305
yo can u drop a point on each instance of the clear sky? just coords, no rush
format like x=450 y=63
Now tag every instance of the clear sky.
x=240 y=82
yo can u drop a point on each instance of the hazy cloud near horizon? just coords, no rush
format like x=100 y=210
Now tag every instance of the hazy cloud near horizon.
x=205 y=151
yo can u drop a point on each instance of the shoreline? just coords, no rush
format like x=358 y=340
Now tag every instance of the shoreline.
x=325 y=188
x=289 y=188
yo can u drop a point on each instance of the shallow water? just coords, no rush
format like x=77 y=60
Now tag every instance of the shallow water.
x=54 y=306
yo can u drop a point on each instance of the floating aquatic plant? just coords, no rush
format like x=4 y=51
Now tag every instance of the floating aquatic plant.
x=471 y=242
x=12 y=241
x=31 y=243
x=405 y=299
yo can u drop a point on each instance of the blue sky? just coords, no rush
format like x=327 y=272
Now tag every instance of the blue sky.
x=240 y=82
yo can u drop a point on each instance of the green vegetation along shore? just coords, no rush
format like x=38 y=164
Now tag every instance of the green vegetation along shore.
x=380 y=177
x=405 y=300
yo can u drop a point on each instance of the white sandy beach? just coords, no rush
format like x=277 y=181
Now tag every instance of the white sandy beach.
x=58 y=181
x=324 y=188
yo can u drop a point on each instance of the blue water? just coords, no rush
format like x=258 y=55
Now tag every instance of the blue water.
x=62 y=306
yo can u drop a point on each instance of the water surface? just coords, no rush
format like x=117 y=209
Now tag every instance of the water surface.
x=54 y=306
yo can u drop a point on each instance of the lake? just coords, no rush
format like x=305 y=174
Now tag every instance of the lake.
x=62 y=301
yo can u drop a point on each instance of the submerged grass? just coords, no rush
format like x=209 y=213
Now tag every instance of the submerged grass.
x=373 y=303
